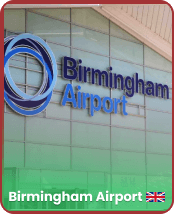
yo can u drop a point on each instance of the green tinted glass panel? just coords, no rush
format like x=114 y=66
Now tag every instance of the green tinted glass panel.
x=84 y=115
x=13 y=154
x=162 y=169
x=47 y=131
x=88 y=135
x=47 y=157
x=128 y=140
x=128 y=183
x=9 y=181
x=128 y=121
x=99 y=159
x=13 y=127
x=64 y=179
x=159 y=121
x=128 y=162
x=58 y=111
x=29 y=178
x=131 y=184
x=159 y=143
x=96 y=179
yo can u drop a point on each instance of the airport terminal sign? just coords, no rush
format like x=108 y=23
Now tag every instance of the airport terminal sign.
x=72 y=69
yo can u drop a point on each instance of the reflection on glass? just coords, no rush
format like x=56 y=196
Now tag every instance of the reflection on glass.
x=155 y=60
x=90 y=18
x=90 y=40
x=126 y=50
x=47 y=28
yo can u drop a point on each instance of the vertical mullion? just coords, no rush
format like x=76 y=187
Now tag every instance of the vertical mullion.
x=17 y=206
x=145 y=123
x=5 y=104
x=41 y=188
x=26 y=62
x=71 y=104
x=45 y=111
x=5 y=33
x=87 y=187
x=26 y=67
x=111 y=112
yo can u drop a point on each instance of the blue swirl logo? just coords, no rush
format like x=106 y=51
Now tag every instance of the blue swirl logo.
x=19 y=101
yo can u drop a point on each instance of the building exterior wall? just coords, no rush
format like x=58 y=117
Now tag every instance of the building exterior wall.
x=64 y=148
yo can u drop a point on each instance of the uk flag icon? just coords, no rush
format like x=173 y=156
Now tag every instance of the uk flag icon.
x=155 y=196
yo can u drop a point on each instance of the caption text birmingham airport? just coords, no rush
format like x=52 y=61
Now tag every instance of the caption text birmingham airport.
x=57 y=198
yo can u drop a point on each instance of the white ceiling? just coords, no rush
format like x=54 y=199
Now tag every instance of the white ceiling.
x=156 y=17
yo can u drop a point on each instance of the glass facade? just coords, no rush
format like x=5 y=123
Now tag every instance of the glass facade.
x=64 y=149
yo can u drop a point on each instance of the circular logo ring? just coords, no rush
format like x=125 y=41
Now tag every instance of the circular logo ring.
x=21 y=102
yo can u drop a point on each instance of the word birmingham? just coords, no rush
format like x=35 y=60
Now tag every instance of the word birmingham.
x=58 y=198
x=73 y=70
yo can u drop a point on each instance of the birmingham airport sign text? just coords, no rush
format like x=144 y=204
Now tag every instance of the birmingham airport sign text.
x=73 y=70
x=29 y=105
